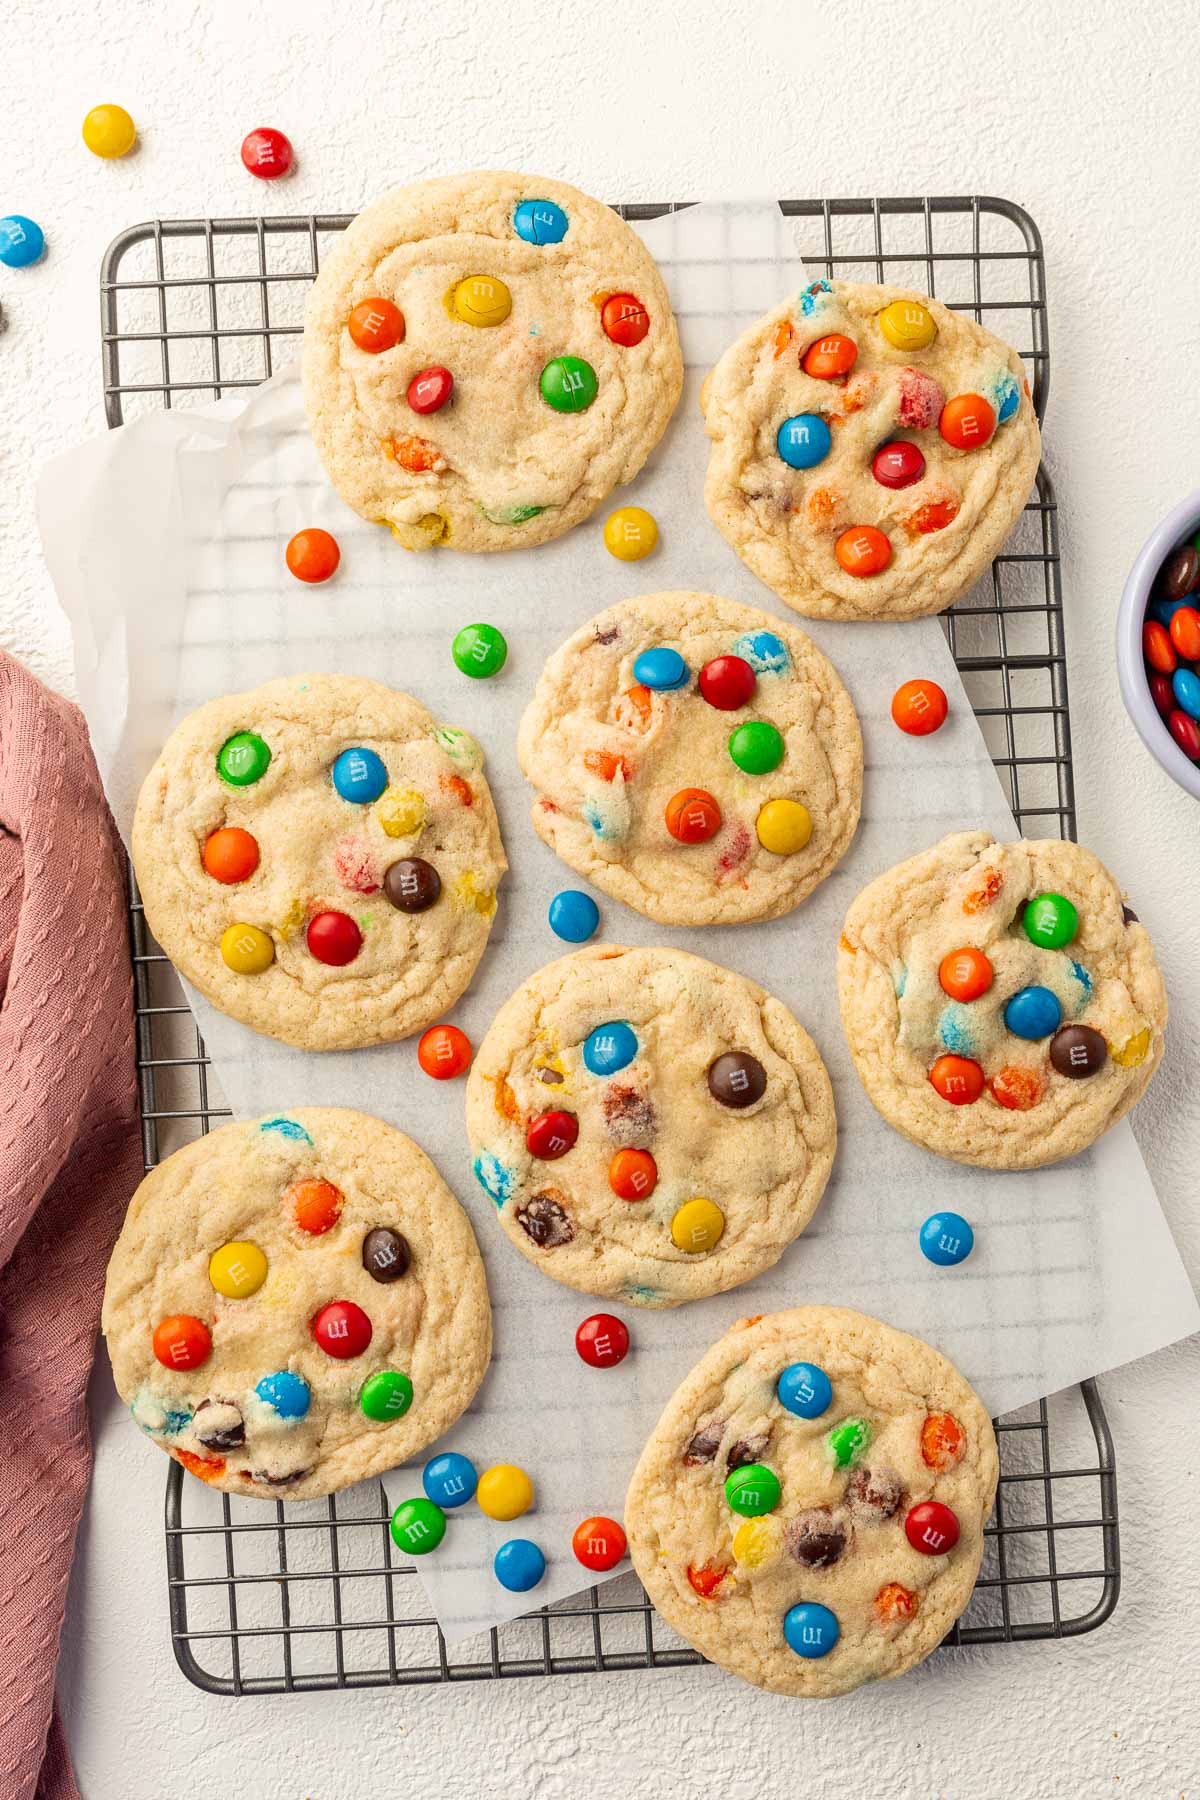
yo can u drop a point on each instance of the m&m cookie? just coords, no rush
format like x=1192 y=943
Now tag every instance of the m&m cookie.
x=1002 y=1005
x=320 y=858
x=295 y=1303
x=694 y=758
x=809 y=1510
x=486 y=357
x=871 y=450
x=650 y=1127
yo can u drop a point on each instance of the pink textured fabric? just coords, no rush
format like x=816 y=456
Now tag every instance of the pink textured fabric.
x=69 y=1161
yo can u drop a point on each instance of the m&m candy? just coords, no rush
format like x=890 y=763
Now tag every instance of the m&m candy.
x=1050 y=920
x=444 y=1052
x=946 y=1239
x=830 y=357
x=1158 y=649
x=943 y=1441
x=598 y=1543
x=1016 y=1088
x=1185 y=731
x=333 y=938
x=108 y=131
x=756 y=747
x=1186 y=689
x=315 y=1206
x=752 y=1489
x=898 y=464
x=243 y=759
x=1078 y=1051
x=965 y=974
x=246 y=950
x=624 y=320
x=736 y=1079
x=967 y=422
x=230 y=854
x=783 y=827
x=630 y=533
x=266 y=153
x=342 y=1329
x=931 y=1528
x=481 y=300
x=479 y=651
x=449 y=1480
x=412 y=884
x=181 y=1342
x=1033 y=1012
x=1008 y=399
x=727 y=682
x=312 y=555
x=504 y=1491
x=574 y=916
x=518 y=1565
x=810 y=1629
x=21 y=241
x=633 y=1174
x=602 y=1341
x=386 y=1254
x=847 y=1442
x=660 y=669
x=804 y=1389
x=359 y=775
x=919 y=707
x=237 y=1270
x=1180 y=574
x=1162 y=692
x=568 y=384
x=1185 y=633
x=957 y=1079
x=540 y=222
x=551 y=1135
x=907 y=325
x=692 y=816
x=609 y=1048
x=376 y=325
x=697 y=1226
x=804 y=440
x=418 y=1526
x=386 y=1395
x=430 y=389
x=286 y=1393
x=863 y=550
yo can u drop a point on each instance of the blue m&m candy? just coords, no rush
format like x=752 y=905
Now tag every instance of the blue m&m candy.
x=662 y=669
x=946 y=1239
x=573 y=916
x=1008 y=398
x=540 y=222
x=519 y=1565
x=1186 y=688
x=609 y=1048
x=360 y=775
x=810 y=1630
x=803 y=441
x=1034 y=1012
x=21 y=241
x=805 y=1390
x=450 y=1479
x=286 y=1392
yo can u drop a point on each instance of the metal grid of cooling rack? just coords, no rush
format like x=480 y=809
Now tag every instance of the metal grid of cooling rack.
x=297 y=1597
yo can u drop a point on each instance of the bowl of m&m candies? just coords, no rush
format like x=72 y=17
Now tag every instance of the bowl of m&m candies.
x=1158 y=644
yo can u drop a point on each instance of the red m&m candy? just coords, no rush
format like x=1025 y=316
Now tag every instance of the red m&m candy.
x=898 y=464
x=182 y=1342
x=624 y=319
x=693 y=816
x=429 y=389
x=444 y=1052
x=551 y=1135
x=334 y=938
x=313 y=555
x=931 y=1528
x=1162 y=694
x=957 y=1079
x=266 y=153
x=1186 y=733
x=727 y=682
x=342 y=1329
x=919 y=707
x=602 y=1341
x=1158 y=649
x=599 y=1543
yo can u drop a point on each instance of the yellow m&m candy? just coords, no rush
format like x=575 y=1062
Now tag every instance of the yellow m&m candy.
x=108 y=131
x=246 y=950
x=907 y=325
x=504 y=1491
x=401 y=812
x=757 y=1541
x=630 y=533
x=697 y=1226
x=237 y=1270
x=783 y=826
x=1133 y=1051
x=482 y=300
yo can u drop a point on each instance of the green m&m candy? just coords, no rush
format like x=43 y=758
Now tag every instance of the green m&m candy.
x=569 y=384
x=756 y=747
x=418 y=1526
x=1050 y=920
x=479 y=650
x=847 y=1442
x=386 y=1395
x=243 y=759
x=752 y=1489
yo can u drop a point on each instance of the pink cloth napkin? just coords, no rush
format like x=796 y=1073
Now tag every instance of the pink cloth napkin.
x=70 y=1158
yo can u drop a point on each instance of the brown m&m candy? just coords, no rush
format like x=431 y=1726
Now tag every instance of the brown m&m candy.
x=737 y=1079
x=412 y=884
x=385 y=1254
x=1180 y=572
x=218 y=1425
x=1077 y=1051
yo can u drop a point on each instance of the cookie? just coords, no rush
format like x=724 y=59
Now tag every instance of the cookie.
x=650 y=1127
x=320 y=858
x=296 y=1303
x=809 y=1510
x=871 y=450
x=694 y=758
x=486 y=356
x=1002 y=1006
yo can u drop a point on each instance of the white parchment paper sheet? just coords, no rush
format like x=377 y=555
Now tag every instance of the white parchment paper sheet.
x=166 y=543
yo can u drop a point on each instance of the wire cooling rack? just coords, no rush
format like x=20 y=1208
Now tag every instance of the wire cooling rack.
x=291 y=1597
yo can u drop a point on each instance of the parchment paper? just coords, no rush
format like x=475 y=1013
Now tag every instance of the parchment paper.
x=166 y=543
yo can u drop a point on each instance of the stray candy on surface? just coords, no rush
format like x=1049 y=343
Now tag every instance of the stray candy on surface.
x=504 y=1491
x=919 y=707
x=602 y=1340
x=574 y=916
x=21 y=241
x=313 y=555
x=418 y=1526
x=479 y=650
x=449 y=1480
x=267 y=153
x=108 y=131
x=630 y=533
x=444 y=1052
x=518 y=1565
x=946 y=1239
x=598 y=1543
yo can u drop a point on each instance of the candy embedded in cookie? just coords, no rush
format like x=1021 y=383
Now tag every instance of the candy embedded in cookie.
x=694 y=758
x=1002 y=1004
x=290 y=1311
x=871 y=450
x=803 y=1569
x=320 y=858
x=486 y=357
x=650 y=1127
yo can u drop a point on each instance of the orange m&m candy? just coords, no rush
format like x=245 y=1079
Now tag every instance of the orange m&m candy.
x=313 y=555
x=444 y=1052
x=624 y=319
x=894 y=1602
x=943 y=1441
x=919 y=707
x=863 y=550
x=965 y=974
x=376 y=325
x=1185 y=633
x=1016 y=1088
x=230 y=854
x=632 y=1174
x=181 y=1342
x=316 y=1206
x=967 y=422
x=693 y=816
x=830 y=356
x=957 y=1079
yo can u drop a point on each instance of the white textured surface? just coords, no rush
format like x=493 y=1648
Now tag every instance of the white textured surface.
x=1091 y=129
